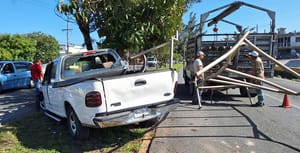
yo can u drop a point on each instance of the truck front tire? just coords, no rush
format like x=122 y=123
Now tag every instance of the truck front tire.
x=76 y=130
x=30 y=84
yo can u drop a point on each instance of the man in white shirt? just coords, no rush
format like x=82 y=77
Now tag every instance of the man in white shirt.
x=198 y=65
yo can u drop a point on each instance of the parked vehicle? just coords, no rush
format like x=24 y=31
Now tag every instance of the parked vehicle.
x=294 y=64
x=92 y=89
x=152 y=62
x=15 y=74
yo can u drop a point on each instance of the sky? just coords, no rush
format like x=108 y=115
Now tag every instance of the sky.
x=287 y=15
x=27 y=16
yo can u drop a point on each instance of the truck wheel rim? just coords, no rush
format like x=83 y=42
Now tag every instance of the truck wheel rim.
x=72 y=123
x=31 y=84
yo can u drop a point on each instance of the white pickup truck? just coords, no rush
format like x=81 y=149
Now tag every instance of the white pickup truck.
x=92 y=89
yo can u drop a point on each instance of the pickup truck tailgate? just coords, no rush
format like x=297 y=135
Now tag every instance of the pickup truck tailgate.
x=134 y=91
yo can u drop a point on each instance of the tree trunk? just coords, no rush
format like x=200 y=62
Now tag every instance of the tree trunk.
x=85 y=30
x=88 y=41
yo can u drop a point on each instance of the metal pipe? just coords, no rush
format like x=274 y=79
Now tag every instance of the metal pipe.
x=230 y=83
x=217 y=87
x=263 y=80
x=171 y=52
x=149 y=50
x=271 y=58
x=233 y=83
x=218 y=72
x=220 y=59
x=252 y=85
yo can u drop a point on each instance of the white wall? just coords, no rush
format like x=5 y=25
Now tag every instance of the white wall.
x=72 y=49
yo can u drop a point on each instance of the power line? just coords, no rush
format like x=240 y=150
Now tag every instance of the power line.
x=67 y=30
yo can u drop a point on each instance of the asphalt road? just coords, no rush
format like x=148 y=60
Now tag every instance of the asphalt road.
x=15 y=104
x=229 y=124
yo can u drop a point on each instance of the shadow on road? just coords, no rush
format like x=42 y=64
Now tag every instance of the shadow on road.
x=209 y=97
x=219 y=104
x=260 y=135
x=16 y=104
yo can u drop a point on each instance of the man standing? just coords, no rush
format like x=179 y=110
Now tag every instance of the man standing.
x=258 y=71
x=37 y=75
x=198 y=65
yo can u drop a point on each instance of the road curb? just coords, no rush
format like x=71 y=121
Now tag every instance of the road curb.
x=146 y=141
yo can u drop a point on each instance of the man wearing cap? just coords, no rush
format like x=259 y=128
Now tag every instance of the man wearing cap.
x=257 y=70
x=198 y=65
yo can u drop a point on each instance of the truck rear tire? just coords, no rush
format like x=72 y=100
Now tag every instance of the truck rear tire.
x=41 y=102
x=76 y=130
x=185 y=78
x=243 y=92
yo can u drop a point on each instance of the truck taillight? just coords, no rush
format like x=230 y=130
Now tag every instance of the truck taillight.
x=93 y=99
x=175 y=88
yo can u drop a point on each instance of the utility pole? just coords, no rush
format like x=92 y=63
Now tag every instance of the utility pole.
x=67 y=30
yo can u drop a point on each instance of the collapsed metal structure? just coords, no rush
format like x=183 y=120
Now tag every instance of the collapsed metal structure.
x=226 y=63
x=227 y=82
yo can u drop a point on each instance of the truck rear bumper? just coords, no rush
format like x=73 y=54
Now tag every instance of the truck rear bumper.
x=136 y=115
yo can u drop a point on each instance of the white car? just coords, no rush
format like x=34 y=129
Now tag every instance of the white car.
x=152 y=62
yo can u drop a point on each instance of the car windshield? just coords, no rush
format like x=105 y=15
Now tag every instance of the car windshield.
x=150 y=58
x=293 y=63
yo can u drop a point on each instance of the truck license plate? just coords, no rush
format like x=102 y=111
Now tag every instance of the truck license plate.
x=140 y=113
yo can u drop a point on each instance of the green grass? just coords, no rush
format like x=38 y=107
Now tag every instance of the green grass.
x=297 y=80
x=40 y=134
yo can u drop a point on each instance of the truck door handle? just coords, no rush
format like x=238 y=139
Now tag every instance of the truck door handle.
x=140 y=82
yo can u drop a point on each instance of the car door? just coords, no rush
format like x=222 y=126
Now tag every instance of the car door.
x=23 y=75
x=52 y=96
x=9 y=76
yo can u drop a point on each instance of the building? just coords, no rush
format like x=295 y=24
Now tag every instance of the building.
x=72 y=49
x=288 y=44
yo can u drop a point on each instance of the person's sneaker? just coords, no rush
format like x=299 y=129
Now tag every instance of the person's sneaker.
x=258 y=104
